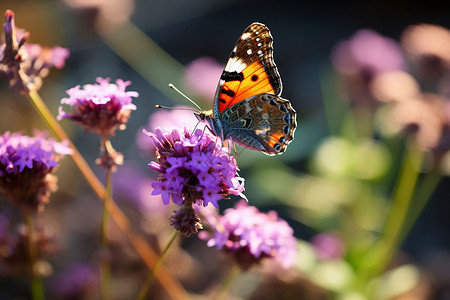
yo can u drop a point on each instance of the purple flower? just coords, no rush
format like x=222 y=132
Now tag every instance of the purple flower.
x=101 y=108
x=74 y=282
x=361 y=58
x=328 y=246
x=26 y=167
x=202 y=76
x=369 y=53
x=193 y=169
x=25 y=65
x=249 y=235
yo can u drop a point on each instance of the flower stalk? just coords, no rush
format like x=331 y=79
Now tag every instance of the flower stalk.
x=148 y=283
x=105 y=271
x=394 y=228
x=37 y=289
x=228 y=282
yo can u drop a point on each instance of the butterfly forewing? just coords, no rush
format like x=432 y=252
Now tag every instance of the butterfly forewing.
x=248 y=108
x=250 y=70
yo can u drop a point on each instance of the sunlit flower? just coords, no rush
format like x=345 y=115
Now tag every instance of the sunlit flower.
x=424 y=116
x=202 y=76
x=427 y=47
x=26 y=167
x=394 y=86
x=363 y=56
x=25 y=65
x=101 y=108
x=368 y=53
x=194 y=169
x=249 y=236
x=75 y=282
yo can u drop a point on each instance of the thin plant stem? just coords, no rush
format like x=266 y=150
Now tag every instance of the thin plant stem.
x=149 y=256
x=37 y=289
x=234 y=272
x=105 y=271
x=391 y=235
x=422 y=196
x=148 y=283
x=334 y=107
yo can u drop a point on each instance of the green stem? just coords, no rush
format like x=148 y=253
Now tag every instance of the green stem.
x=423 y=195
x=105 y=272
x=228 y=282
x=37 y=288
x=334 y=107
x=391 y=236
x=148 y=283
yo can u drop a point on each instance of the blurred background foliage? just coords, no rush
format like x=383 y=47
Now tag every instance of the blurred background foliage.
x=371 y=89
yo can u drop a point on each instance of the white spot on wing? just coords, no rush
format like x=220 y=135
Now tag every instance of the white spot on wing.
x=235 y=64
x=245 y=36
x=249 y=51
x=259 y=52
x=258 y=39
x=259 y=44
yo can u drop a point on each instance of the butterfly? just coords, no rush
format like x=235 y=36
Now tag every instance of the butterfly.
x=248 y=108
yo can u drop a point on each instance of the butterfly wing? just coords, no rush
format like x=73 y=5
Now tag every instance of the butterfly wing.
x=250 y=70
x=263 y=122
x=248 y=108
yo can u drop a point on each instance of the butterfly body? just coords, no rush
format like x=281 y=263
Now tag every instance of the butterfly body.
x=248 y=108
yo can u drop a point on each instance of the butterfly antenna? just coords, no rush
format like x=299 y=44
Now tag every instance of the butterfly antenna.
x=182 y=94
x=177 y=108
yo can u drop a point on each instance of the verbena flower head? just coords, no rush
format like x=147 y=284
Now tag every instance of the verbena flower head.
x=368 y=53
x=101 y=108
x=193 y=169
x=249 y=235
x=361 y=58
x=25 y=65
x=26 y=167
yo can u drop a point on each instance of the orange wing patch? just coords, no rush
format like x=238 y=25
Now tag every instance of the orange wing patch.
x=255 y=81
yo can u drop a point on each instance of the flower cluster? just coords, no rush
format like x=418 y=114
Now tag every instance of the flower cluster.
x=26 y=164
x=101 y=108
x=194 y=169
x=24 y=65
x=249 y=235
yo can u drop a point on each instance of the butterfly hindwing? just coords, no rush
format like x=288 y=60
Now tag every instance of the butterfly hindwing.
x=263 y=122
x=250 y=70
